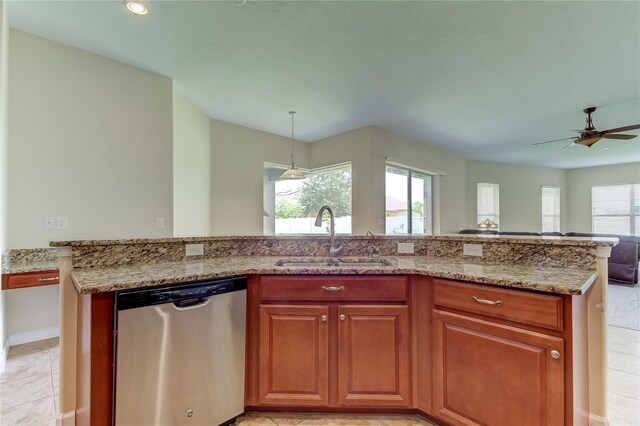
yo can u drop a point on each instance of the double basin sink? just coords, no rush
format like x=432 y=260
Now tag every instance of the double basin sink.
x=334 y=263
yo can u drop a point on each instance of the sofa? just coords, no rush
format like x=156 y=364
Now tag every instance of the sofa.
x=624 y=262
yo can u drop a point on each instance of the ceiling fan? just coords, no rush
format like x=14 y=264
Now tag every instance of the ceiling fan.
x=589 y=135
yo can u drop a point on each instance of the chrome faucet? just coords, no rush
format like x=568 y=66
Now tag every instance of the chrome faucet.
x=333 y=250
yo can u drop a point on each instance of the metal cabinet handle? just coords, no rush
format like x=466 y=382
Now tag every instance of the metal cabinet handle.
x=48 y=279
x=323 y=318
x=487 y=302
x=325 y=288
x=555 y=354
x=343 y=317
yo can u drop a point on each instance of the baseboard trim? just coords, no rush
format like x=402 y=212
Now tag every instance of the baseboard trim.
x=66 y=419
x=595 y=420
x=33 y=336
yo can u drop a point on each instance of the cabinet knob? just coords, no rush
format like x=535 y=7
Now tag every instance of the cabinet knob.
x=343 y=317
x=555 y=354
x=323 y=318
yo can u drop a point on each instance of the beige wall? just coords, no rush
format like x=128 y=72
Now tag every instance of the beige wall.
x=520 y=194
x=353 y=146
x=451 y=204
x=4 y=82
x=90 y=140
x=237 y=162
x=367 y=149
x=580 y=182
x=191 y=168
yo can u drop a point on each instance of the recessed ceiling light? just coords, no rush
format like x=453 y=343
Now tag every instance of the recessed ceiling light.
x=137 y=7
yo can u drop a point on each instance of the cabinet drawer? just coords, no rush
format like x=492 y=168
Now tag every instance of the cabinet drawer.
x=528 y=308
x=356 y=288
x=29 y=279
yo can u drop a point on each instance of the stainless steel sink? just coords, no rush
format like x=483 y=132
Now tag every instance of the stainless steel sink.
x=335 y=263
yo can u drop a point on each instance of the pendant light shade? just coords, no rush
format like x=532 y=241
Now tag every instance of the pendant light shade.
x=292 y=172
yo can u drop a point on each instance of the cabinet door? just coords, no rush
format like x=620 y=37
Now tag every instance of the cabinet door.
x=488 y=373
x=373 y=355
x=294 y=355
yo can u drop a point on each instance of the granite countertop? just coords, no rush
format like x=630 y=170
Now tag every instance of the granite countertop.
x=16 y=261
x=574 y=281
x=18 y=268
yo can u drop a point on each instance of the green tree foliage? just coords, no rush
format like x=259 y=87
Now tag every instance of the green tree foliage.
x=286 y=209
x=417 y=208
x=331 y=188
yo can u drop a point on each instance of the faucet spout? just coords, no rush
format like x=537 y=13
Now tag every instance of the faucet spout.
x=333 y=250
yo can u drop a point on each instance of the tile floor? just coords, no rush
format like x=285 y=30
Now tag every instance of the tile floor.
x=29 y=384
x=281 y=419
x=29 y=389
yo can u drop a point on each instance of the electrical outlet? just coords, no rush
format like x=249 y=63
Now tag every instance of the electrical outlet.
x=472 y=249
x=194 y=249
x=159 y=222
x=405 y=248
x=49 y=222
x=62 y=222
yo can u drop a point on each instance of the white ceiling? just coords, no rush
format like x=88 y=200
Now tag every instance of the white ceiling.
x=484 y=80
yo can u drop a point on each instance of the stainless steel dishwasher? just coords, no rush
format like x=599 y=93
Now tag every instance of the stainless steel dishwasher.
x=179 y=354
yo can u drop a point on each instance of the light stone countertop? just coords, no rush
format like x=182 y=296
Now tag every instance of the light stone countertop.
x=573 y=281
x=17 y=261
x=18 y=268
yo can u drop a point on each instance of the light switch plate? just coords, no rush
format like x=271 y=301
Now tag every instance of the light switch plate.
x=405 y=248
x=194 y=249
x=49 y=222
x=472 y=249
x=159 y=222
x=62 y=222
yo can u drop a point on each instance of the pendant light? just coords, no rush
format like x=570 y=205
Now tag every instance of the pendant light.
x=292 y=172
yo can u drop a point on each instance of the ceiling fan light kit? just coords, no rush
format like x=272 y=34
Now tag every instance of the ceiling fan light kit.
x=590 y=136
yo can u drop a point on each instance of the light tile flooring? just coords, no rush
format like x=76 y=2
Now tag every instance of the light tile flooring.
x=281 y=419
x=29 y=389
x=624 y=376
x=29 y=384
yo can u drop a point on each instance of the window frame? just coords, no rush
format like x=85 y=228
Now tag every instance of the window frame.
x=495 y=215
x=632 y=215
x=559 y=215
x=269 y=216
x=410 y=172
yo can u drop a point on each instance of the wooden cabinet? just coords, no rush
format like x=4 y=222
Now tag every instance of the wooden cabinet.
x=488 y=373
x=29 y=279
x=330 y=342
x=294 y=355
x=499 y=356
x=373 y=355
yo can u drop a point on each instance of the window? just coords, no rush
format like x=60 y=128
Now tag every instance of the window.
x=616 y=209
x=405 y=187
x=291 y=206
x=489 y=202
x=550 y=209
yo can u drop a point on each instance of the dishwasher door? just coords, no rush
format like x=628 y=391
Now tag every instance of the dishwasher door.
x=181 y=364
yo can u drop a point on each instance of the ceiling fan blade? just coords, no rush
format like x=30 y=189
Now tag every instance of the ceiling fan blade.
x=621 y=137
x=622 y=129
x=555 y=140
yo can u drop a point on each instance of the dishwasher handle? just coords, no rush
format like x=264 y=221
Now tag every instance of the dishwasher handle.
x=195 y=303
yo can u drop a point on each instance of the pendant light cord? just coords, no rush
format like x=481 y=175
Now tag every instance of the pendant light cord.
x=293 y=160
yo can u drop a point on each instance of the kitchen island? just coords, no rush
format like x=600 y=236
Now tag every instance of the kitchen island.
x=549 y=284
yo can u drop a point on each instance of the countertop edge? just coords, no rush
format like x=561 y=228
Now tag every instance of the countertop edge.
x=520 y=284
